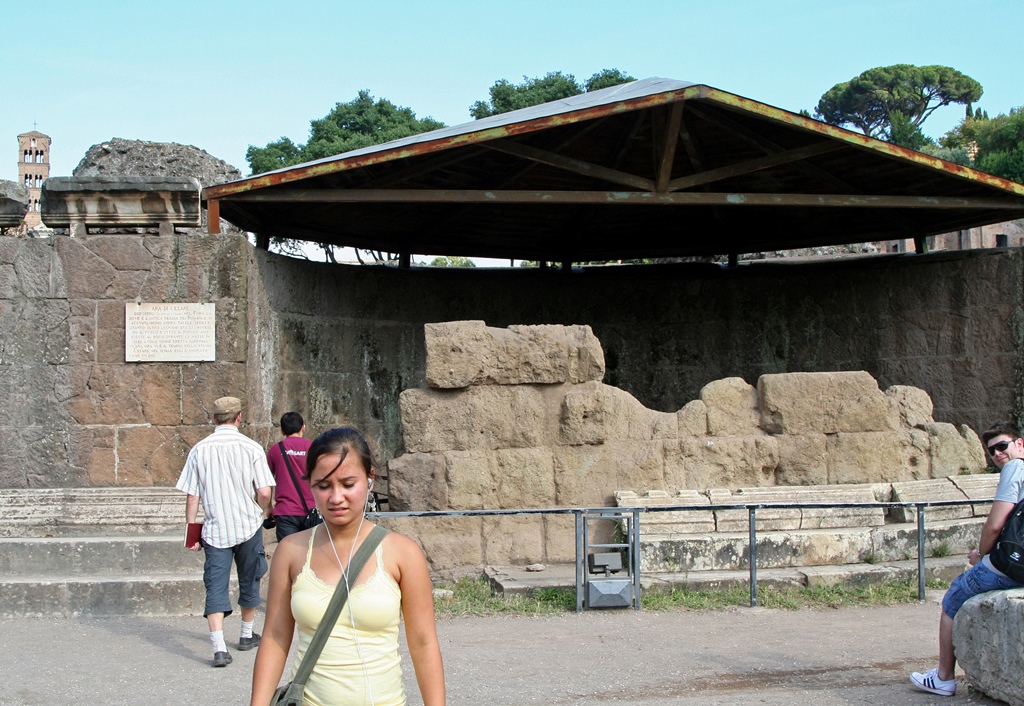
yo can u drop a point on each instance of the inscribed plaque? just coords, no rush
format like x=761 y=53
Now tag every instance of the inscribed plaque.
x=169 y=332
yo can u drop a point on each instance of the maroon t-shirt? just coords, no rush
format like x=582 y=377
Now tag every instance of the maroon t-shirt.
x=286 y=499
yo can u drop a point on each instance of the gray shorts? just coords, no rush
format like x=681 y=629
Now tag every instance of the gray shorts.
x=251 y=564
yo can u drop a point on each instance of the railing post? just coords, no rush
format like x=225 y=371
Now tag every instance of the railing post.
x=920 y=553
x=579 y=560
x=752 y=520
x=634 y=556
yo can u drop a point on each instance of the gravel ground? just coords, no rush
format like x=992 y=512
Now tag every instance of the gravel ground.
x=738 y=656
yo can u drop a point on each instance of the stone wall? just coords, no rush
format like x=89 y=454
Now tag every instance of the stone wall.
x=518 y=418
x=340 y=343
x=75 y=414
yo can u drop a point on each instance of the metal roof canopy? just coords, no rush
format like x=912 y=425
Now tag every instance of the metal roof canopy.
x=652 y=168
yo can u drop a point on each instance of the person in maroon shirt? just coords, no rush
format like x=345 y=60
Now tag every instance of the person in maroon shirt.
x=294 y=509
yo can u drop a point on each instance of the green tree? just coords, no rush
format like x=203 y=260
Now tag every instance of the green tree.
x=997 y=143
x=506 y=96
x=869 y=101
x=361 y=122
x=905 y=134
x=452 y=261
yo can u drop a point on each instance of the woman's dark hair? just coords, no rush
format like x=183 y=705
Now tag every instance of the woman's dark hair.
x=341 y=440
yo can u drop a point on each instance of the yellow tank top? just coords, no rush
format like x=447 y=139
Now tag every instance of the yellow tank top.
x=360 y=662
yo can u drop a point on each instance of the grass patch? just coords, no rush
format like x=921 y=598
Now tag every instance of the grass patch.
x=940 y=550
x=473 y=596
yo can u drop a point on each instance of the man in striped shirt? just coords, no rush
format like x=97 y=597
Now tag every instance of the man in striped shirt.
x=228 y=473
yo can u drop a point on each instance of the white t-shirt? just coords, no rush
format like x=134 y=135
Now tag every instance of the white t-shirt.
x=225 y=470
x=1009 y=490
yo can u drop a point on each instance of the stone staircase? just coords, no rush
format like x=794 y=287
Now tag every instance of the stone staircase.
x=97 y=552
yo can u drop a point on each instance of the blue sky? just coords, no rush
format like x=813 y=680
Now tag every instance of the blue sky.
x=222 y=75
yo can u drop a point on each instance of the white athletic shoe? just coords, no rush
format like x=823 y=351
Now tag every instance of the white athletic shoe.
x=930 y=682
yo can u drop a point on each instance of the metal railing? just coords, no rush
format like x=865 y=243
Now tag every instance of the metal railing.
x=751 y=508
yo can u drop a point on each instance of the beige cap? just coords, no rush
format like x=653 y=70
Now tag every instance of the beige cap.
x=227 y=405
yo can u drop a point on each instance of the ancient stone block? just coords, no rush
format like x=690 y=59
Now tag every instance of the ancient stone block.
x=39 y=272
x=729 y=461
x=464 y=353
x=635 y=464
x=416 y=481
x=513 y=540
x=560 y=539
x=692 y=419
x=120 y=201
x=986 y=637
x=582 y=420
x=524 y=477
x=912 y=404
x=88 y=275
x=731 y=407
x=110 y=325
x=202 y=383
x=954 y=451
x=798 y=403
x=123 y=252
x=231 y=330
x=928 y=491
x=668 y=523
x=871 y=457
x=448 y=542
x=580 y=476
x=471 y=481
x=915 y=451
x=149 y=455
x=628 y=420
x=484 y=417
x=802 y=459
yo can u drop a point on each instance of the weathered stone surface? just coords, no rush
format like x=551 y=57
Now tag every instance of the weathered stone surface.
x=954 y=451
x=670 y=523
x=471 y=481
x=524 y=477
x=803 y=459
x=120 y=201
x=986 y=638
x=583 y=415
x=481 y=417
x=513 y=540
x=925 y=491
x=579 y=476
x=870 y=457
x=978 y=486
x=799 y=403
x=692 y=419
x=912 y=404
x=417 y=482
x=448 y=542
x=731 y=407
x=731 y=461
x=464 y=353
x=626 y=419
x=560 y=539
x=149 y=455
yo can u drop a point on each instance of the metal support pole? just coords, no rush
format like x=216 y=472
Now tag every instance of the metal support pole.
x=753 y=555
x=579 y=560
x=634 y=556
x=920 y=553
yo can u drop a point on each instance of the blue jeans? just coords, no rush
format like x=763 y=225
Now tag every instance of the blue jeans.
x=251 y=564
x=977 y=579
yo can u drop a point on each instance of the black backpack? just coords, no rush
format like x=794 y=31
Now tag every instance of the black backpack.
x=1008 y=554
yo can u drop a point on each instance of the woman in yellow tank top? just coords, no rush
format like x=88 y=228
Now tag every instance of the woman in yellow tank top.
x=360 y=662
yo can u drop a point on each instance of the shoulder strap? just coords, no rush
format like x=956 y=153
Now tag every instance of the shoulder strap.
x=295 y=481
x=323 y=630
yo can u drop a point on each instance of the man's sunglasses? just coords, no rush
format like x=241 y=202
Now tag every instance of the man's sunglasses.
x=999 y=446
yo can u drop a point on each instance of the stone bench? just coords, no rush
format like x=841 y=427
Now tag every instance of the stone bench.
x=986 y=636
x=81 y=512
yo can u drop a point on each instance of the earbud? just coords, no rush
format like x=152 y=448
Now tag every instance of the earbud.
x=369 y=484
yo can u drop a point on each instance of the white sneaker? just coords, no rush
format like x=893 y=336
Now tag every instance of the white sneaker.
x=930 y=682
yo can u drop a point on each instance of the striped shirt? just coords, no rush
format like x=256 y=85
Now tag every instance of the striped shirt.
x=225 y=469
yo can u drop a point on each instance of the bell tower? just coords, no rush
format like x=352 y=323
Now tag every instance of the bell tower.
x=33 y=170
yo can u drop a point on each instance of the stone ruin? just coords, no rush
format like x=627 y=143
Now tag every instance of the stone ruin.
x=519 y=418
